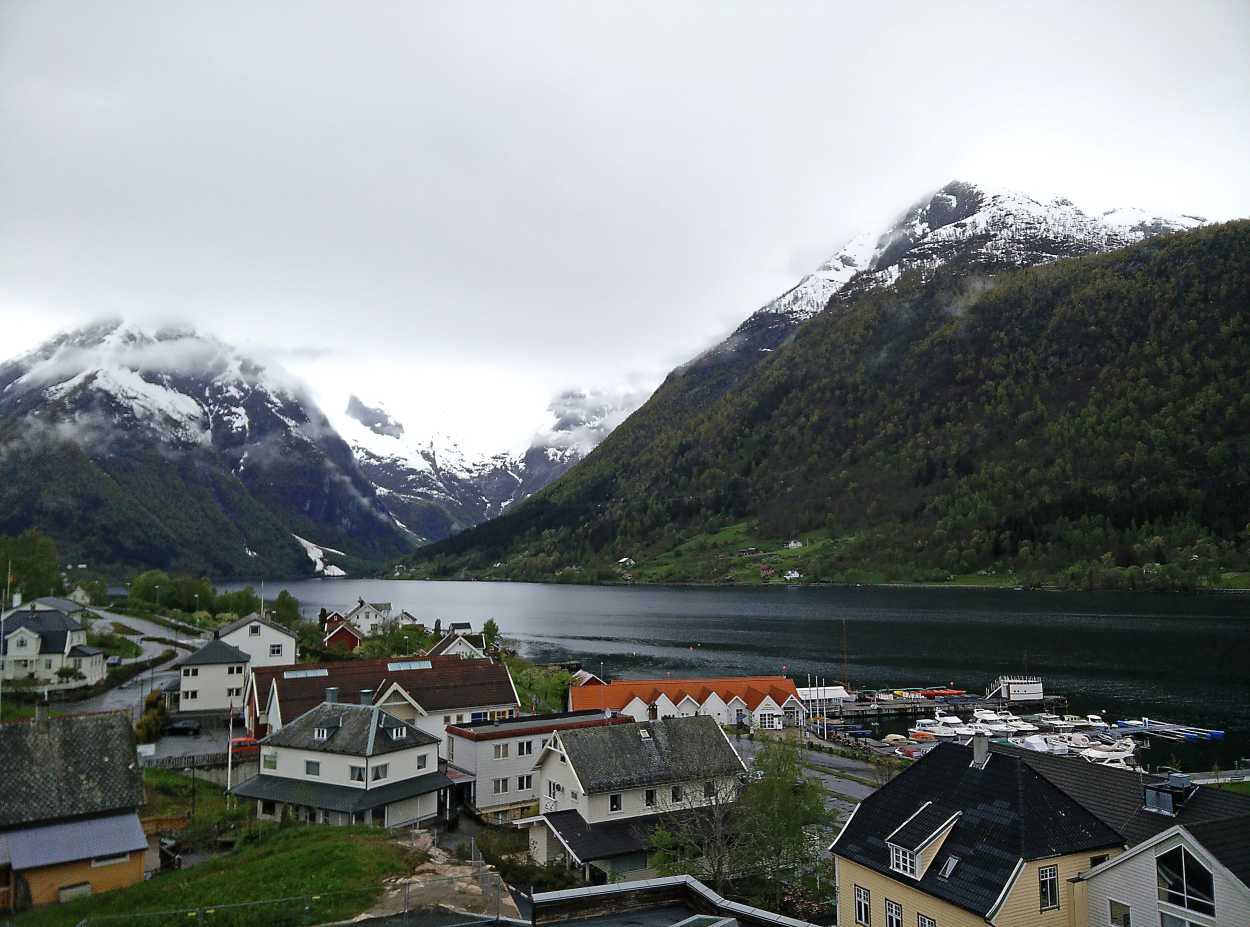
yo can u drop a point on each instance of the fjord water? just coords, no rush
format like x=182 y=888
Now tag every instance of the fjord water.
x=1183 y=658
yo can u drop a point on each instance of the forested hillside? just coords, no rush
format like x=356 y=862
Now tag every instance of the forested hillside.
x=1086 y=420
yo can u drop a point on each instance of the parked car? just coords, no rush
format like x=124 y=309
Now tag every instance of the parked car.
x=244 y=746
x=185 y=726
x=113 y=661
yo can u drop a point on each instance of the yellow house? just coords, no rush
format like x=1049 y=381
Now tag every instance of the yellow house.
x=968 y=836
x=68 y=825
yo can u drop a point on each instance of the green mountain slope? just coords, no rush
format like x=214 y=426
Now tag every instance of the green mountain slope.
x=1090 y=416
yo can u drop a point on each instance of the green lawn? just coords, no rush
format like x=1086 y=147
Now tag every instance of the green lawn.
x=304 y=874
x=1235 y=580
x=169 y=795
x=115 y=644
x=1242 y=787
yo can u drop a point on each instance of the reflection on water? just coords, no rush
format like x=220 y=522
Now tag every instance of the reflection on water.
x=1183 y=658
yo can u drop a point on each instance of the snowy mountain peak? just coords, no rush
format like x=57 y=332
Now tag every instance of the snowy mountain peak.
x=997 y=225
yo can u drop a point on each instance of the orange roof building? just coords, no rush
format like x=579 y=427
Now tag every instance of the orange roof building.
x=758 y=701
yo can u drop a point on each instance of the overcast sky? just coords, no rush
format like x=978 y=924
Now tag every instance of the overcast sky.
x=462 y=208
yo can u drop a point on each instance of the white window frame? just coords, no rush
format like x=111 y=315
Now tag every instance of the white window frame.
x=903 y=861
x=423 y=760
x=269 y=760
x=499 y=786
x=524 y=782
x=863 y=906
x=380 y=772
x=675 y=794
x=616 y=802
x=356 y=773
x=1047 y=874
x=893 y=914
x=1128 y=910
x=501 y=751
x=109 y=859
x=275 y=650
x=254 y=629
x=525 y=748
x=923 y=920
x=312 y=768
x=649 y=798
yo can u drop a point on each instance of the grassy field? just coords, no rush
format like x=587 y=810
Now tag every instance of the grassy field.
x=169 y=795
x=302 y=875
x=1242 y=787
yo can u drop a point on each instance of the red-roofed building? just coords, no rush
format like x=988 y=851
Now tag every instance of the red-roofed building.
x=758 y=701
x=341 y=634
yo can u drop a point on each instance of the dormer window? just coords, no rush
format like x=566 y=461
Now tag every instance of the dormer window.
x=399 y=733
x=903 y=861
x=321 y=733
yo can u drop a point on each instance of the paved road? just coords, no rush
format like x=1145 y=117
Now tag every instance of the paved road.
x=841 y=793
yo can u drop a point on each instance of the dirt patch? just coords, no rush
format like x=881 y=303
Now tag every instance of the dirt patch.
x=441 y=881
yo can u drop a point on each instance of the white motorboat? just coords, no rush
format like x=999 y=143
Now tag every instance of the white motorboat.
x=930 y=729
x=1077 y=721
x=989 y=723
x=1106 y=754
x=1055 y=723
x=1073 y=740
x=1040 y=743
x=1096 y=722
x=1017 y=725
x=954 y=724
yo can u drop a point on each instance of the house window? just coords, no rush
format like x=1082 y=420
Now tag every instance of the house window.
x=422 y=760
x=267 y=807
x=380 y=771
x=275 y=650
x=499 y=786
x=191 y=694
x=709 y=790
x=254 y=630
x=551 y=790
x=648 y=798
x=1185 y=882
x=478 y=716
x=47 y=663
x=357 y=773
x=501 y=751
x=1048 y=887
x=190 y=671
x=525 y=748
x=321 y=733
x=923 y=920
x=1098 y=860
x=312 y=768
x=111 y=859
x=399 y=733
x=269 y=761
x=446 y=719
x=21 y=643
x=451 y=749
x=863 y=906
x=893 y=914
x=614 y=803
x=903 y=861
x=524 y=783
x=675 y=794
x=1120 y=915
x=233 y=693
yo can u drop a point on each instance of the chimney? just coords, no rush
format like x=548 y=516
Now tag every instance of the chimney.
x=980 y=750
x=332 y=694
x=366 y=696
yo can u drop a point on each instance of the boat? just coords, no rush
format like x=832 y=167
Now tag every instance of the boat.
x=989 y=722
x=894 y=740
x=913 y=751
x=1096 y=722
x=1055 y=723
x=954 y=724
x=1017 y=725
x=930 y=729
x=1105 y=754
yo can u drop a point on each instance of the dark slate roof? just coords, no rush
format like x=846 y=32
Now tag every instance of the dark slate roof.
x=924 y=825
x=250 y=619
x=338 y=797
x=461 y=626
x=52 y=626
x=625 y=756
x=82 y=650
x=605 y=839
x=68 y=606
x=449 y=683
x=214 y=652
x=533 y=724
x=1008 y=812
x=1229 y=842
x=1115 y=795
x=68 y=767
x=357 y=730
x=474 y=640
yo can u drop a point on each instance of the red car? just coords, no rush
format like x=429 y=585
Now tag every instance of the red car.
x=244 y=746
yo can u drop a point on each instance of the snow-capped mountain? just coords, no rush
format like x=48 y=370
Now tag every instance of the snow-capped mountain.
x=171 y=448
x=435 y=488
x=994 y=228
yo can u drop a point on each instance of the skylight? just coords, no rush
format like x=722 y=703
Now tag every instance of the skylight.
x=305 y=674
x=408 y=665
x=948 y=867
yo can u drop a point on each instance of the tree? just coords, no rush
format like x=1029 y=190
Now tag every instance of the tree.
x=286 y=608
x=490 y=633
x=97 y=591
x=35 y=566
x=152 y=587
x=698 y=838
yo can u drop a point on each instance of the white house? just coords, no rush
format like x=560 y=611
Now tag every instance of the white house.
x=265 y=642
x=497 y=759
x=349 y=764
x=460 y=644
x=40 y=642
x=429 y=692
x=603 y=788
x=80 y=596
x=767 y=702
x=212 y=678
x=370 y=618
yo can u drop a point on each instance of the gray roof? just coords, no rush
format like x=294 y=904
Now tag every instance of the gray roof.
x=69 y=606
x=52 y=626
x=477 y=641
x=250 y=619
x=68 y=767
x=72 y=840
x=604 y=840
x=338 y=797
x=356 y=730
x=1228 y=841
x=624 y=756
x=214 y=652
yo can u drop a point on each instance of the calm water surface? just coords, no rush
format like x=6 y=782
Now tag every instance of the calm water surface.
x=1180 y=658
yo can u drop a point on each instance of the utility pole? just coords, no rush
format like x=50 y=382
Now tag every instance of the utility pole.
x=8 y=581
x=846 y=675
